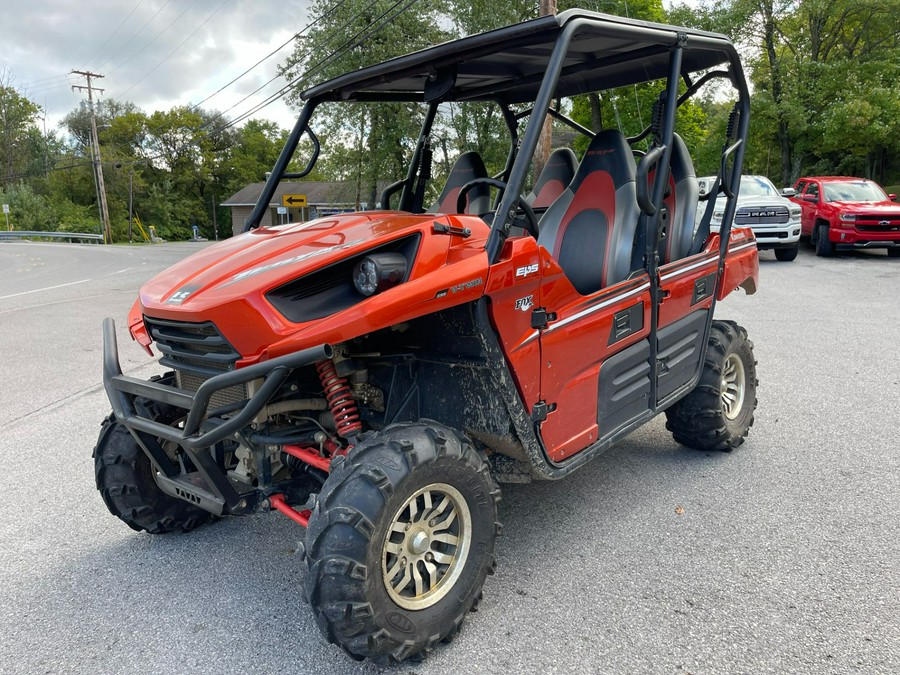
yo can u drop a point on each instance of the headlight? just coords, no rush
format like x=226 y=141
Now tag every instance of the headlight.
x=795 y=213
x=717 y=216
x=848 y=217
x=379 y=271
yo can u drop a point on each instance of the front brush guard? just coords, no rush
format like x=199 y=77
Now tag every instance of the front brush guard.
x=199 y=432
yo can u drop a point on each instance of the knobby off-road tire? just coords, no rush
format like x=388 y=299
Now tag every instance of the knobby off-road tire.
x=413 y=499
x=125 y=479
x=718 y=413
x=787 y=254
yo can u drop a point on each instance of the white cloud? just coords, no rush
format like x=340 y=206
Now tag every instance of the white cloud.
x=44 y=40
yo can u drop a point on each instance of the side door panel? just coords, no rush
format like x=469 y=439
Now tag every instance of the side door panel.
x=589 y=394
x=808 y=209
x=687 y=287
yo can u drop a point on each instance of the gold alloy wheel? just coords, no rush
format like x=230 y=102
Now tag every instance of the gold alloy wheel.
x=426 y=546
x=733 y=386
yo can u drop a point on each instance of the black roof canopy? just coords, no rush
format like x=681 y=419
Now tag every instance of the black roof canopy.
x=509 y=63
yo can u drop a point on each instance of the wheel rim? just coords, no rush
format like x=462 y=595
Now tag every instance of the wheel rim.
x=733 y=386
x=426 y=546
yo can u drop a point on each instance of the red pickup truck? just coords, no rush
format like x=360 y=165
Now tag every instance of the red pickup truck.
x=841 y=213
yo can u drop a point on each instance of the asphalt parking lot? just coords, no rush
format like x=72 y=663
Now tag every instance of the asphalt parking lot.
x=783 y=556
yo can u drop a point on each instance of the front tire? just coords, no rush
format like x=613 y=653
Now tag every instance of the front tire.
x=718 y=413
x=787 y=254
x=400 y=542
x=824 y=248
x=124 y=477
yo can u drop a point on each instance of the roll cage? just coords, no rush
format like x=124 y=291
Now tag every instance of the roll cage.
x=538 y=62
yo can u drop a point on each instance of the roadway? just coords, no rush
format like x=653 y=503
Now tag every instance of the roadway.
x=779 y=557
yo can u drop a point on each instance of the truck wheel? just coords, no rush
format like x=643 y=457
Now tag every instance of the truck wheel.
x=824 y=248
x=787 y=254
x=893 y=253
x=124 y=478
x=400 y=542
x=718 y=413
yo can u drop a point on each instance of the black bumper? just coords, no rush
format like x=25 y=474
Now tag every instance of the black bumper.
x=201 y=430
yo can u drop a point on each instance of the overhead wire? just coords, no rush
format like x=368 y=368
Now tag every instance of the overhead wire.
x=282 y=91
x=372 y=29
x=134 y=35
x=180 y=45
x=114 y=33
x=155 y=38
x=333 y=9
x=322 y=17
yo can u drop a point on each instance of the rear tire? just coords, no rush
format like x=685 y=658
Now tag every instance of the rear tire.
x=824 y=248
x=400 y=542
x=893 y=253
x=718 y=413
x=124 y=477
x=787 y=254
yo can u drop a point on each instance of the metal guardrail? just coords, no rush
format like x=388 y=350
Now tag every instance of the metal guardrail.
x=27 y=234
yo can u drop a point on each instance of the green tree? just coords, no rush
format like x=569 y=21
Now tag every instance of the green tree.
x=367 y=143
x=811 y=63
x=21 y=146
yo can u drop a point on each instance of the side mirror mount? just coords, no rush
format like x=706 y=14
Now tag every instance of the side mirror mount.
x=788 y=192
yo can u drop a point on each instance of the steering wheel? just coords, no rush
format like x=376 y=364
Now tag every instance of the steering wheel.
x=530 y=221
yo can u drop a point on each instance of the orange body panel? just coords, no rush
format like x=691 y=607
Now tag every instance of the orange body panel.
x=226 y=283
x=560 y=364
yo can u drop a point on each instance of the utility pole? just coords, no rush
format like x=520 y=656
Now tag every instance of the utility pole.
x=130 y=204
x=545 y=140
x=215 y=224
x=98 y=166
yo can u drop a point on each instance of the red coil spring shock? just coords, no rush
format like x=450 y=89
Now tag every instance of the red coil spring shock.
x=340 y=400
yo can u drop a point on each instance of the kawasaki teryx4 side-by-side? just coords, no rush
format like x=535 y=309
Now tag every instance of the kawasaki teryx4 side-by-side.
x=374 y=375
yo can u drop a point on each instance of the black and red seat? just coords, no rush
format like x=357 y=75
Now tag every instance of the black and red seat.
x=554 y=178
x=468 y=166
x=590 y=227
x=681 y=198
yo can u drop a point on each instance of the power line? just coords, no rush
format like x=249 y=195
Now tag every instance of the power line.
x=317 y=66
x=367 y=32
x=156 y=37
x=115 y=32
x=325 y=15
x=374 y=28
x=131 y=39
x=180 y=45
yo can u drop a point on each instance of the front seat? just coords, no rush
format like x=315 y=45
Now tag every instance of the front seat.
x=555 y=177
x=590 y=228
x=468 y=166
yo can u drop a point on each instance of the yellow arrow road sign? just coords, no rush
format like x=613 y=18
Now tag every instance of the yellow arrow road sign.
x=293 y=200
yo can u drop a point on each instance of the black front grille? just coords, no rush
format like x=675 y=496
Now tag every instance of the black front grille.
x=762 y=215
x=891 y=219
x=878 y=222
x=197 y=348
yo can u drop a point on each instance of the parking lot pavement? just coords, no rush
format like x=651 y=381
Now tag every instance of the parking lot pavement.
x=781 y=556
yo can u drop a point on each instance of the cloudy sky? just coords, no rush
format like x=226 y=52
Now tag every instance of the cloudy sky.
x=154 y=53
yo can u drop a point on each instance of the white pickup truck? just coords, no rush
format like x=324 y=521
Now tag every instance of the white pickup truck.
x=775 y=220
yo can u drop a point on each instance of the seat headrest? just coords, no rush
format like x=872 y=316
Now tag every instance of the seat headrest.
x=609 y=152
x=555 y=177
x=681 y=164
